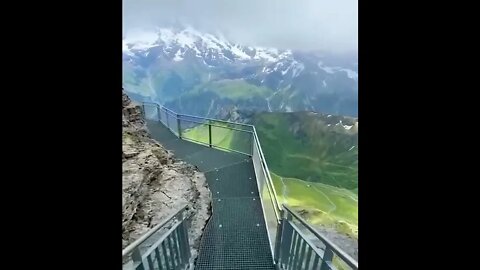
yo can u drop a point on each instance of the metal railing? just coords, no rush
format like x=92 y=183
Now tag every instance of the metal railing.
x=214 y=133
x=301 y=247
x=280 y=228
x=161 y=249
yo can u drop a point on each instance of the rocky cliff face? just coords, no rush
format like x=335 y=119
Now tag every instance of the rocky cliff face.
x=155 y=184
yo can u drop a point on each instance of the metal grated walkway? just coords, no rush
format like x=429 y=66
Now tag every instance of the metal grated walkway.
x=236 y=236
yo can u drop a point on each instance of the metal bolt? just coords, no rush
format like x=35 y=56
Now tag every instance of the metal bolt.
x=258 y=224
x=219 y=199
x=254 y=199
x=220 y=225
x=252 y=192
x=218 y=192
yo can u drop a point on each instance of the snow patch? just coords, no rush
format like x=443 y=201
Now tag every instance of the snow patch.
x=329 y=70
x=260 y=55
x=239 y=53
x=350 y=73
x=186 y=39
x=139 y=40
x=297 y=69
x=167 y=36
x=178 y=56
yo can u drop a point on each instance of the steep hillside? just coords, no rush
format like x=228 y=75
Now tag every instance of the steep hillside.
x=155 y=184
x=313 y=160
x=313 y=147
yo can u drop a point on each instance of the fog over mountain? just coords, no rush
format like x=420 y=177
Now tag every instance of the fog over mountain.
x=319 y=25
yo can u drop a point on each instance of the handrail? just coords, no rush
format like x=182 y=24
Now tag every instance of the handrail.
x=236 y=129
x=269 y=177
x=340 y=253
x=144 y=237
x=198 y=117
x=216 y=120
x=278 y=210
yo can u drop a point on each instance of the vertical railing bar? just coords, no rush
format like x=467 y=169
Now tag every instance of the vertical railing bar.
x=159 y=114
x=176 y=246
x=165 y=255
x=209 y=134
x=166 y=116
x=303 y=250
x=297 y=251
x=187 y=243
x=309 y=257
x=172 y=256
x=180 y=242
x=286 y=243
x=137 y=259
x=327 y=258
x=288 y=218
x=178 y=127
x=159 y=259
x=278 y=240
x=184 y=243
x=253 y=141
x=150 y=262
x=292 y=250
x=315 y=264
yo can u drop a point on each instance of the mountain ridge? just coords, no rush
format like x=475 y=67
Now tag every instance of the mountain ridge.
x=176 y=66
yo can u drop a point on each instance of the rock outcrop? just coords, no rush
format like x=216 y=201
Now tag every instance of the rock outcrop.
x=155 y=184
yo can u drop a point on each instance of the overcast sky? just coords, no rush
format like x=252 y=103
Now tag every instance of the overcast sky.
x=328 y=25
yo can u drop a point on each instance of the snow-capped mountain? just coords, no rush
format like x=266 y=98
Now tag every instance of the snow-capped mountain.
x=199 y=73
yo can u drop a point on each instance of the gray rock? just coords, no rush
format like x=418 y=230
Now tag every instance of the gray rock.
x=155 y=184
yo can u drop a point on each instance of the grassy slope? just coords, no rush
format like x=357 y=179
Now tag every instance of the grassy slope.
x=320 y=203
x=312 y=168
x=313 y=153
x=232 y=89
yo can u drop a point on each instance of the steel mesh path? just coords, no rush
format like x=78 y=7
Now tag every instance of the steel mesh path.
x=235 y=236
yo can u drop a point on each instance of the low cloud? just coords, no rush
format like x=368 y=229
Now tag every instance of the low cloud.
x=325 y=25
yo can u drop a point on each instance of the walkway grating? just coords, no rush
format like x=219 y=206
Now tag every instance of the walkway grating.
x=235 y=236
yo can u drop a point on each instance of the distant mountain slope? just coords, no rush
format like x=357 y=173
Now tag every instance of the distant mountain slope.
x=310 y=146
x=178 y=67
x=313 y=161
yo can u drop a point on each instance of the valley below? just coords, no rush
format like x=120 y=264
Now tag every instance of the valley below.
x=312 y=156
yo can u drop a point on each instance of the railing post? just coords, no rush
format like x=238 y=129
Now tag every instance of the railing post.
x=253 y=141
x=178 y=127
x=278 y=241
x=327 y=259
x=159 y=113
x=209 y=134
x=137 y=259
x=144 y=112
x=166 y=115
